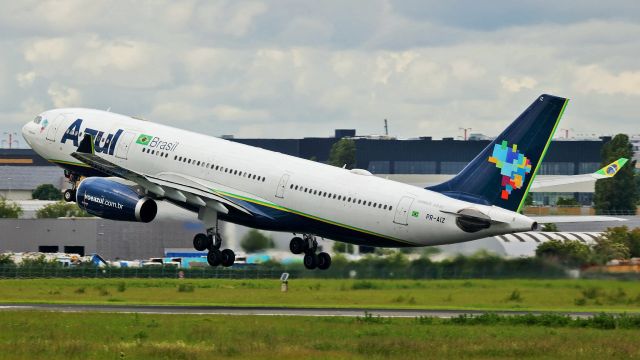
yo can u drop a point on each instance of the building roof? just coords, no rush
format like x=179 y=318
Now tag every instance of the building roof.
x=29 y=177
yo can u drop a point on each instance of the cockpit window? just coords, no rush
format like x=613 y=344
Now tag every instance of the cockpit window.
x=37 y=119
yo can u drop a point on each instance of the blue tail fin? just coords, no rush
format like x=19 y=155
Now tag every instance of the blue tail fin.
x=503 y=172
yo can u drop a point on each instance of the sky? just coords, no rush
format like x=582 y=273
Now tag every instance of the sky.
x=291 y=69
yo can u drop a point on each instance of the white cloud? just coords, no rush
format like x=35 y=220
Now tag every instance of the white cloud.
x=291 y=68
x=63 y=96
x=43 y=50
x=26 y=79
x=233 y=113
x=516 y=84
x=595 y=79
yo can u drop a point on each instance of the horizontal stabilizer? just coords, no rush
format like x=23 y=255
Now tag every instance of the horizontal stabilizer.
x=574 y=219
x=606 y=172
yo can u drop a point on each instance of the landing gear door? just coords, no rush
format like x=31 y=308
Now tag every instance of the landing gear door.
x=124 y=143
x=282 y=185
x=402 y=210
x=53 y=128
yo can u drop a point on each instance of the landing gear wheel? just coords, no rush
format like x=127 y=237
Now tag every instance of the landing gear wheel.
x=69 y=195
x=214 y=257
x=324 y=261
x=297 y=245
x=228 y=257
x=201 y=242
x=310 y=261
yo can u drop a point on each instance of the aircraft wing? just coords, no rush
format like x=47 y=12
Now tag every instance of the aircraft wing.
x=606 y=172
x=174 y=186
x=574 y=219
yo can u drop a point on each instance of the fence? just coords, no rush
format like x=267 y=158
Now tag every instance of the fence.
x=419 y=269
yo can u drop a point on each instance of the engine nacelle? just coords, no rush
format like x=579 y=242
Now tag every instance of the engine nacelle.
x=115 y=201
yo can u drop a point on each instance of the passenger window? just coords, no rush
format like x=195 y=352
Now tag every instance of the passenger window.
x=390 y=207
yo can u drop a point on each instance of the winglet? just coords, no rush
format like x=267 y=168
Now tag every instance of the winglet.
x=86 y=145
x=612 y=169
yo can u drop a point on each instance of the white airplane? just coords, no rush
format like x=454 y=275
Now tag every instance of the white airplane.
x=120 y=167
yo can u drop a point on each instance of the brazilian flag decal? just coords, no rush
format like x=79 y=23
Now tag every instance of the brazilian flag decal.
x=144 y=139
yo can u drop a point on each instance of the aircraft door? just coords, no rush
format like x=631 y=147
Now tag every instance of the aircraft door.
x=53 y=128
x=282 y=185
x=402 y=210
x=124 y=143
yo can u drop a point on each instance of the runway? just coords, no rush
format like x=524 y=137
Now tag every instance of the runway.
x=270 y=311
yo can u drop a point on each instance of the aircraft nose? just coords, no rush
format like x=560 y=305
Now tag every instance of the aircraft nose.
x=28 y=132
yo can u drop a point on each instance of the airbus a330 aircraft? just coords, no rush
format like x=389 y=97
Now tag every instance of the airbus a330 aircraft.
x=119 y=167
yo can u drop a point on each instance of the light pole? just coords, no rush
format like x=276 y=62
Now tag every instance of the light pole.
x=11 y=140
x=465 y=132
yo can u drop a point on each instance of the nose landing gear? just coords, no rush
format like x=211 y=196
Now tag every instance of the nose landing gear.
x=69 y=195
x=308 y=245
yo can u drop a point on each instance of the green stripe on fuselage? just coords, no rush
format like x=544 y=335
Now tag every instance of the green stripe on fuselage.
x=313 y=217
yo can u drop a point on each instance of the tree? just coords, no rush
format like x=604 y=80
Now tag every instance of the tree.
x=9 y=209
x=549 y=227
x=567 y=201
x=61 y=209
x=46 y=192
x=618 y=193
x=341 y=247
x=343 y=153
x=528 y=201
x=628 y=238
x=5 y=259
x=570 y=253
x=607 y=249
x=254 y=241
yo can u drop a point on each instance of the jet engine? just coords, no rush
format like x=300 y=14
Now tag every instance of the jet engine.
x=113 y=200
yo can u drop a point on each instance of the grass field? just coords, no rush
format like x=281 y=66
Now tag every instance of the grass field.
x=574 y=295
x=25 y=335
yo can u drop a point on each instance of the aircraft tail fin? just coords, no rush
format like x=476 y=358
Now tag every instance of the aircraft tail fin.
x=503 y=172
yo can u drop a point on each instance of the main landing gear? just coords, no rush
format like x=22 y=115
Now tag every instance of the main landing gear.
x=212 y=241
x=69 y=195
x=308 y=245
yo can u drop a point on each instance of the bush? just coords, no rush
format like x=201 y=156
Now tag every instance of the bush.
x=46 y=192
x=364 y=285
x=515 y=296
x=9 y=210
x=61 y=209
x=186 y=288
x=570 y=253
x=5 y=259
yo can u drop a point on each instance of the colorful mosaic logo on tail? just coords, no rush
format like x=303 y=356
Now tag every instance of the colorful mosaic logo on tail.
x=513 y=165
